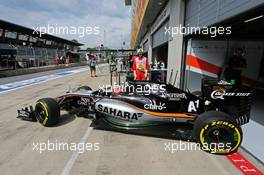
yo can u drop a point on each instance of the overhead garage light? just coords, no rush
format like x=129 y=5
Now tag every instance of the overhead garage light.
x=252 y=19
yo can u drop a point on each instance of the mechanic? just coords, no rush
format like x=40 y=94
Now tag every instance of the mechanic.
x=113 y=66
x=140 y=66
x=93 y=62
x=237 y=63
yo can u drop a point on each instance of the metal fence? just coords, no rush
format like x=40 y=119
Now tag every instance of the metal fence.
x=26 y=56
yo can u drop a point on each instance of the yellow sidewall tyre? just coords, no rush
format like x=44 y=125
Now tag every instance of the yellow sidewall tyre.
x=217 y=133
x=47 y=111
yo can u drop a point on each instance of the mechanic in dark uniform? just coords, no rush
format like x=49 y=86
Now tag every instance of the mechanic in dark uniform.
x=92 y=65
x=235 y=67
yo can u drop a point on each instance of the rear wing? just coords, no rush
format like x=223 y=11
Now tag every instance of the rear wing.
x=232 y=99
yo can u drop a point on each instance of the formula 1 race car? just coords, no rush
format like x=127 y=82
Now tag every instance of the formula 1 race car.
x=216 y=112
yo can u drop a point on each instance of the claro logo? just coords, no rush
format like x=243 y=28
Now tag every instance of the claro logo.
x=155 y=107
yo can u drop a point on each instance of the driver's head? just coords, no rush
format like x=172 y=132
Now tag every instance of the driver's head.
x=140 y=52
x=239 y=52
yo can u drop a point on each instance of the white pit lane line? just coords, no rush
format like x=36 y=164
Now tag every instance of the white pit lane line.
x=75 y=154
x=5 y=88
x=34 y=81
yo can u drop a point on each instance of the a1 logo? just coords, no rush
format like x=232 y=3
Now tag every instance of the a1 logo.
x=193 y=106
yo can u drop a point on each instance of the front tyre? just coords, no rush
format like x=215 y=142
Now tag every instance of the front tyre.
x=47 y=111
x=217 y=133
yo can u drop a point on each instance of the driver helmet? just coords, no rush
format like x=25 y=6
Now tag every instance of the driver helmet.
x=140 y=51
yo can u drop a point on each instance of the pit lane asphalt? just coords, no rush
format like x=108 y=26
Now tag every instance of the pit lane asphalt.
x=118 y=154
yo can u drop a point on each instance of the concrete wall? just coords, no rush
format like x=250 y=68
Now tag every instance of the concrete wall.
x=159 y=37
x=175 y=42
x=146 y=44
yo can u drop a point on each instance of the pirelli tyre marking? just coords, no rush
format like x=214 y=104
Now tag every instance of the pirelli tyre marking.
x=236 y=135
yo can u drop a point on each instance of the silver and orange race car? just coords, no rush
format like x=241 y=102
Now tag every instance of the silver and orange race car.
x=215 y=113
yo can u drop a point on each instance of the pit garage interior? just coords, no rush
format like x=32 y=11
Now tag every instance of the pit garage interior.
x=206 y=57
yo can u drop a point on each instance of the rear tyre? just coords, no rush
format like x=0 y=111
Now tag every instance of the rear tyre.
x=47 y=111
x=217 y=133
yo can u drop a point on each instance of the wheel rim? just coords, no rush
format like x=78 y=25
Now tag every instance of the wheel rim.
x=220 y=139
x=40 y=112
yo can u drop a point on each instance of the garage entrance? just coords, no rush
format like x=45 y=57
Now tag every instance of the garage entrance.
x=209 y=57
